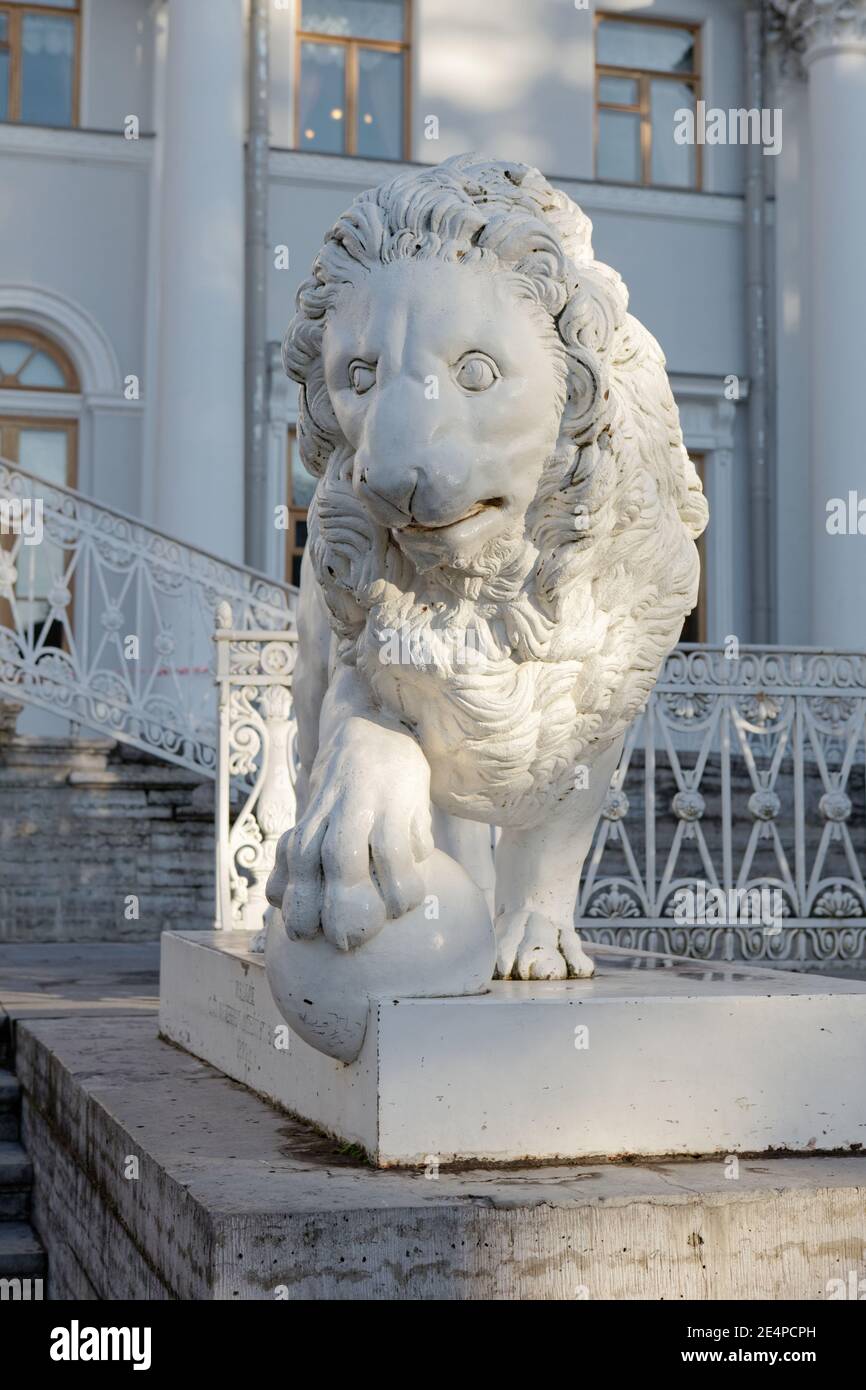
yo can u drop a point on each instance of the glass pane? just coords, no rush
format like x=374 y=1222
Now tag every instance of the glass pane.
x=44 y=452
x=323 y=98
x=55 y=4
x=303 y=484
x=47 y=61
x=41 y=371
x=622 y=91
x=670 y=163
x=380 y=104
x=618 y=147
x=12 y=355
x=658 y=46
x=354 y=19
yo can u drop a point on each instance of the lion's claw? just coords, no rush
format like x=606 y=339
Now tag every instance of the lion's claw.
x=529 y=946
x=352 y=861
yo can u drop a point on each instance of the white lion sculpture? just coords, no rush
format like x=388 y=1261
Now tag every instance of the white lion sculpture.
x=501 y=554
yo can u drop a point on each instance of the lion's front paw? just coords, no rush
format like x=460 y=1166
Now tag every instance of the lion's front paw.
x=529 y=946
x=352 y=861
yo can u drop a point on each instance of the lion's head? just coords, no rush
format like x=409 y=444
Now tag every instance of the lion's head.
x=495 y=436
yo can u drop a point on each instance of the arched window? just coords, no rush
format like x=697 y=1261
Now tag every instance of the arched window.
x=30 y=362
x=32 y=433
x=38 y=432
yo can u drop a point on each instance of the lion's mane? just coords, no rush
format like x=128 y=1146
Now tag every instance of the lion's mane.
x=609 y=568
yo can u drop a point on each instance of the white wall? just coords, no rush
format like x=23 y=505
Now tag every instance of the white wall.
x=509 y=78
x=79 y=227
x=74 y=223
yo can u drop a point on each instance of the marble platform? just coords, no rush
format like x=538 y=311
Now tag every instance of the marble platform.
x=657 y=1055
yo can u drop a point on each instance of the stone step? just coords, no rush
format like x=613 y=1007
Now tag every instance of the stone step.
x=21 y=1252
x=16 y=1180
x=10 y=1093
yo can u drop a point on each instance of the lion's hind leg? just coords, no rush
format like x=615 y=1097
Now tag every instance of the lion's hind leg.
x=470 y=843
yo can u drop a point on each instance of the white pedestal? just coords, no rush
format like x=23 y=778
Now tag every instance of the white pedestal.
x=670 y=1057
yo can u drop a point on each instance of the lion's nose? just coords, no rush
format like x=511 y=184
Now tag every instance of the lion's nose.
x=388 y=493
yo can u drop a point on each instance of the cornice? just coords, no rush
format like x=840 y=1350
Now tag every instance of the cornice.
x=354 y=175
x=82 y=146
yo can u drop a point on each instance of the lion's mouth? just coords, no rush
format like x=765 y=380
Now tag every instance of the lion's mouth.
x=488 y=504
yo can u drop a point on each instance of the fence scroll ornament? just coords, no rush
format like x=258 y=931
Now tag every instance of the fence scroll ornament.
x=741 y=775
x=256 y=764
x=109 y=623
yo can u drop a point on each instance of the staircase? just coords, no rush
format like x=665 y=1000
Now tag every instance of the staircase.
x=113 y=629
x=22 y=1257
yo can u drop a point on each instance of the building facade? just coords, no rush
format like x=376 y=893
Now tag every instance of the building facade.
x=125 y=223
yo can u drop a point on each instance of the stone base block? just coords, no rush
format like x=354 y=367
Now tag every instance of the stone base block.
x=657 y=1055
x=231 y=1199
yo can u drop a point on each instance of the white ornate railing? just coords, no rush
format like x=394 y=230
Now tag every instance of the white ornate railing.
x=742 y=773
x=110 y=623
x=256 y=764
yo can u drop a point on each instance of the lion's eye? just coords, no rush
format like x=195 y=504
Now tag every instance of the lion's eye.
x=362 y=375
x=476 y=372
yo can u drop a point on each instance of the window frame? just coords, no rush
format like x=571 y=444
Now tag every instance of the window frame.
x=14 y=419
x=643 y=77
x=350 y=83
x=23 y=333
x=13 y=45
x=12 y=424
x=67 y=425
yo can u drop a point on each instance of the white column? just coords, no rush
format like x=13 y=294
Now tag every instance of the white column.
x=198 y=492
x=832 y=41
